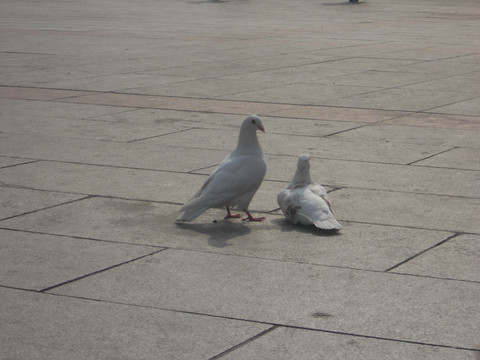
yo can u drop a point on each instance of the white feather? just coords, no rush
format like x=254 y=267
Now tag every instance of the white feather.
x=305 y=202
x=236 y=179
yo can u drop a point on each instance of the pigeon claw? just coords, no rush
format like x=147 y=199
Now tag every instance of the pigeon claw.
x=250 y=217
x=230 y=215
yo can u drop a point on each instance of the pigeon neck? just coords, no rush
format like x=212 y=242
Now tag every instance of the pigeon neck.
x=301 y=177
x=248 y=142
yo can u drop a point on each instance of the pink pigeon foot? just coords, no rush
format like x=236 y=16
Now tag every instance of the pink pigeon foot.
x=230 y=215
x=250 y=217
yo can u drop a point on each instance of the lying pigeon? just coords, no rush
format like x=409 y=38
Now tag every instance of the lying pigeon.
x=304 y=202
x=235 y=180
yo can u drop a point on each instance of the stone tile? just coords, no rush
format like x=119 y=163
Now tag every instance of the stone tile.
x=36 y=94
x=137 y=155
x=197 y=88
x=337 y=113
x=288 y=343
x=13 y=109
x=380 y=78
x=414 y=133
x=104 y=181
x=10 y=161
x=410 y=210
x=389 y=177
x=357 y=246
x=176 y=103
x=283 y=144
x=455 y=259
x=466 y=83
x=442 y=121
x=364 y=303
x=17 y=201
x=86 y=129
x=465 y=107
x=35 y=261
x=300 y=93
x=459 y=158
x=47 y=327
x=117 y=82
x=401 y=99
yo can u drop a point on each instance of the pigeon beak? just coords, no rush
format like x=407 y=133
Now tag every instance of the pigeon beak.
x=262 y=129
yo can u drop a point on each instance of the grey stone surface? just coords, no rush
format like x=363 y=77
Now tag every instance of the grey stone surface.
x=35 y=261
x=459 y=158
x=286 y=344
x=39 y=326
x=457 y=258
x=113 y=113
x=371 y=304
x=359 y=246
x=16 y=201
x=412 y=210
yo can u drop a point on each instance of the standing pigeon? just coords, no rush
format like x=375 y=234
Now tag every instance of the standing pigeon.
x=305 y=202
x=235 y=180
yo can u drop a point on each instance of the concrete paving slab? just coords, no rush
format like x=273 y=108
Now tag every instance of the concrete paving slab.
x=300 y=93
x=316 y=146
x=287 y=343
x=8 y=161
x=86 y=129
x=17 y=201
x=415 y=134
x=457 y=258
x=401 y=99
x=411 y=210
x=434 y=120
x=35 y=261
x=390 y=280
x=363 y=303
x=42 y=326
x=389 y=177
x=126 y=82
x=466 y=107
x=41 y=110
x=125 y=183
x=358 y=246
x=380 y=78
x=467 y=83
x=137 y=155
x=459 y=158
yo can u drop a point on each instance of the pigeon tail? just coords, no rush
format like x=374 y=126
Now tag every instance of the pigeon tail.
x=192 y=214
x=328 y=224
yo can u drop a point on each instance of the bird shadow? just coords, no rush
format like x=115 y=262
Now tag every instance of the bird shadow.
x=218 y=232
x=286 y=226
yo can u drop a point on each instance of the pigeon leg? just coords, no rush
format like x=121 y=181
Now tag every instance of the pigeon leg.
x=250 y=217
x=230 y=215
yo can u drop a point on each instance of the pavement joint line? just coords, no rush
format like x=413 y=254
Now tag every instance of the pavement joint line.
x=98 y=271
x=423 y=252
x=19 y=164
x=433 y=155
x=83 y=238
x=452 y=103
x=157 y=136
x=321 y=265
x=407 y=227
x=239 y=345
x=272 y=324
x=223 y=110
x=46 y=208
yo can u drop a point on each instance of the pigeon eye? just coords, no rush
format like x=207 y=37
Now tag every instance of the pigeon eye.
x=253 y=121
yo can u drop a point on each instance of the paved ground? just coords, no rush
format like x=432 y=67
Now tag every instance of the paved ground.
x=112 y=113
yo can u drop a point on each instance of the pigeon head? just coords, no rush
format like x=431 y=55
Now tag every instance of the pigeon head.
x=303 y=163
x=254 y=122
x=302 y=175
